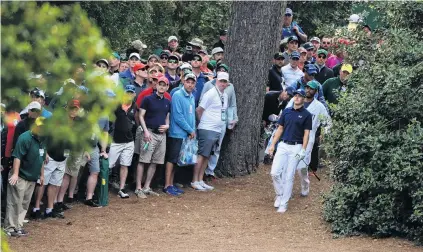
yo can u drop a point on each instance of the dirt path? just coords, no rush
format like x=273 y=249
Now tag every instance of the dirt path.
x=237 y=216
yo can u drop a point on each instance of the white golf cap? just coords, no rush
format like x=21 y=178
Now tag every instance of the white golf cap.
x=34 y=105
x=216 y=50
x=354 y=18
x=185 y=66
x=135 y=55
x=222 y=76
x=315 y=39
x=190 y=76
x=172 y=38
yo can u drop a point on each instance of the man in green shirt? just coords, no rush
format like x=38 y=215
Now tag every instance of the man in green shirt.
x=28 y=167
x=334 y=86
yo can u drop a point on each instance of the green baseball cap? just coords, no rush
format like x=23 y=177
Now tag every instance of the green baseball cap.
x=322 y=51
x=224 y=66
x=313 y=84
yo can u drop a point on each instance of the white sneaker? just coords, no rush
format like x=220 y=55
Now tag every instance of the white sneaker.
x=206 y=186
x=149 y=191
x=197 y=186
x=278 y=200
x=140 y=194
x=282 y=209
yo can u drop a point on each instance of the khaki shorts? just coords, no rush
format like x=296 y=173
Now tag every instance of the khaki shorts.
x=156 y=151
x=122 y=152
x=74 y=163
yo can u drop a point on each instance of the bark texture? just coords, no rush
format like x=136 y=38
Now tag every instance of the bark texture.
x=254 y=36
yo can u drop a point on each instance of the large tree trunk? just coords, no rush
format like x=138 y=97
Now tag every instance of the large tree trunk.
x=254 y=35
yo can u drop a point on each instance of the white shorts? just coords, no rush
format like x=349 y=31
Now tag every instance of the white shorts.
x=121 y=151
x=53 y=172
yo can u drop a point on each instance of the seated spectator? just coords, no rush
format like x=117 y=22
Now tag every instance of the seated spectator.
x=276 y=101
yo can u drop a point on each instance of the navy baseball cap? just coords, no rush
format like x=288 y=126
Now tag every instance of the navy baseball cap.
x=300 y=92
x=290 y=90
x=308 y=46
x=130 y=88
x=295 y=55
x=311 y=69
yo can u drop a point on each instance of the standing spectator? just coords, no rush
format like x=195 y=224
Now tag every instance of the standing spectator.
x=196 y=63
x=154 y=118
x=324 y=71
x=38 y=96
x=152 y=59
x=182 y=125
x=128 y=76
x=122 y=147
x=223 y=36
x=295 y=124
x=292 y=47
x=101 y=130
x=231 y=115
x=291 y=73
x=303 y=57
x=34 y=111
x=291 y=28
x=310 y=72
x=337 y=58
x=171 y=74
x=212 y=116
x=316 y=44
x=310 y=52
x=173 y=45
x=28 y=167
x=274 y=79
x=186 y=68
x=164 y=57
x=217 y=54
x=123 y=66
x=141 y=76
x=196 y=44
x=326 y=43
x=114 y=63
x=336 y=85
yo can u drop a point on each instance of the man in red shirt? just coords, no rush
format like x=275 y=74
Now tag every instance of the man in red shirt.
x=150 y=90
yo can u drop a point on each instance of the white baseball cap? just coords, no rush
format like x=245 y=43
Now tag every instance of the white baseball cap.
x=223 y=76
x=354 y=18
x=185 y=66
x=135 y=55
x=217 y=50
x=34 y=105
x=172 y=38
x=190 y=76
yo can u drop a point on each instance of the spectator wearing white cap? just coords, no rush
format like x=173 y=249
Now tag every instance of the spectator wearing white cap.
x=217 y=54
x=128 y=76
x=291 y=28
x=38 y=96
x=173 y=46
x=316 y=44
x=34 y=111
x=211 y=113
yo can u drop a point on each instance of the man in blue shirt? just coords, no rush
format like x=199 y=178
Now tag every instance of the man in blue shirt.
x=182 y=125
x=295 y=124
x=291 y=28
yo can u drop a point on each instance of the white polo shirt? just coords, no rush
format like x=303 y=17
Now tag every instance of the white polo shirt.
x=211 y=102
x=291 y=75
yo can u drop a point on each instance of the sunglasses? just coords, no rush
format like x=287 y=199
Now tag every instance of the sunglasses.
x=35 y=110
x=288 y=15
x=164 y=58
x=295 y=59
x=322 y=56
x=326 y=43
x=173 y=61
x=196 y=59
x=309 y=50
x=142 y=69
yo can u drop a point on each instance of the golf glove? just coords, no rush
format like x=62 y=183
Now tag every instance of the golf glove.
x=301 y=155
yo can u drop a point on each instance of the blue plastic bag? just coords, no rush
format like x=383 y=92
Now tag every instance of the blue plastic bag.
x=188 y=154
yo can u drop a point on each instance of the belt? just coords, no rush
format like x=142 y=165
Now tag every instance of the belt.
x=155 y=131
x=292 y=143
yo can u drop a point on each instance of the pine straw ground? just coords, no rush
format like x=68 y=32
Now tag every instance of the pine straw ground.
x=237 y=216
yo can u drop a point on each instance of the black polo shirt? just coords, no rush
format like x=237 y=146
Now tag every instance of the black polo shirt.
x=125 y=125
x=294 y=122
x=324 y=74
x=272 y=105
x=156 y=108
x=274 y=81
